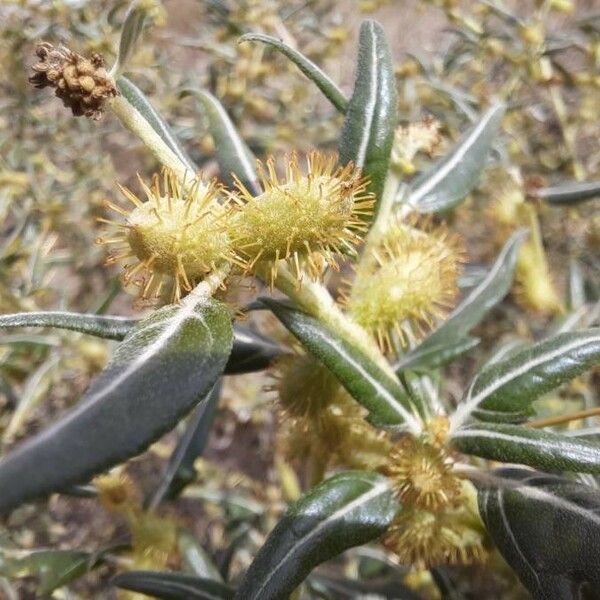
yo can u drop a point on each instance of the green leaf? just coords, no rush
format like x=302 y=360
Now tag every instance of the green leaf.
x=251 y=351
x=547 y=528
x=135 y=19
x=576 y=286
x=165 y=365
x=435 y=356
x=451 y=179
x=347 y=510
x=173 y=586
x=180 y=471
x=330 y=90
x=365 y=381
x=388 y=588
x=368 y=132
x=572 y=192
x=232 y=153
x=196 y=559
x=142 y=105
x=109 y=327
x=511 y=385
x=453 y=331
x=524 y=445
x=53 y=568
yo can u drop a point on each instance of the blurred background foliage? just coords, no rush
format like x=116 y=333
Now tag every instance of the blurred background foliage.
x=453 y=59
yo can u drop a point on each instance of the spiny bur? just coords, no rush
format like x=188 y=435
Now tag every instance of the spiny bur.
x=408 y=279
x=177 y=236
x=306 y=217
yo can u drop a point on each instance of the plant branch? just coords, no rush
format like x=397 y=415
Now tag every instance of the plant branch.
x=559 y=420
x=314 y=298
x=136 y=124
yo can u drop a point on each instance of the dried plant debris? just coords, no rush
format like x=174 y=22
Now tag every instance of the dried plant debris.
x=83 y=84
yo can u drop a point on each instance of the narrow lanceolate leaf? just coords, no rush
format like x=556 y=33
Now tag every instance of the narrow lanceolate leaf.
x=570 y=193
x=547 y=528
x=330 y=90
x=377 y=588
x=435 y=356
x=132 y=30
x=522 y=445
x=367 y=383
x=251 y=351
x=52 y=568
x=511 y=385
x=451 y=179
x=347 y=510
x=109 y=327
x=173 y=586
x=195 y=558
x=180 y=471
x=371 y=118
x=476 y=305
x=232 y=153
x=138 y=100
x=165 y=365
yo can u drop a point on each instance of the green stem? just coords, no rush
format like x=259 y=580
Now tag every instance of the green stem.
x=208 y=286
x=135 y=122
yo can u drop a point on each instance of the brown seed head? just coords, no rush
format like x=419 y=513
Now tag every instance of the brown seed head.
x=81 y=83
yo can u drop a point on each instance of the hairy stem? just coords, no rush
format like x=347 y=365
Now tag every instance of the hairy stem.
x=208 y=286
x=135 y=122
x=314 y=298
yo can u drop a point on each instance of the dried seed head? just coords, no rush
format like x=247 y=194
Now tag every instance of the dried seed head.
x=409 y=279
x=176 y=235
x=305 y=216
x=422 y=474
x=81 y=83
x=421 y=538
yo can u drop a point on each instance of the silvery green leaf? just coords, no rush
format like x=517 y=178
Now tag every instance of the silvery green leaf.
x=383 y=396
x=173 y=586
x=572 y=192
x=511 y=385
x=371 y=118
x=180 y=470
x=104 y=326
x=233 y=154
x=251 y=351
x=51 y=567
x=577 y=293
x=135 y=19
x=166 y=364
x=142 y=105
x=527 y=446
x=330 y=90
x=338 y=588
x=435 y=356
x=196 y=559
x=346 y=510
x=449 y=181
x=452 y=333
x=547 y=528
